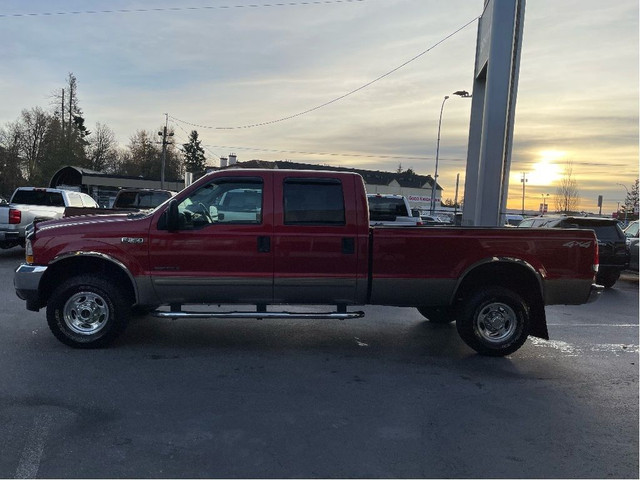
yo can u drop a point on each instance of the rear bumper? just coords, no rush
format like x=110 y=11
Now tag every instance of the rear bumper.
x=9 y=235
x=26 y=281
x=596 y=291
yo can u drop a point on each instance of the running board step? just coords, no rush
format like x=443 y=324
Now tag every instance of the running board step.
x=261 y=315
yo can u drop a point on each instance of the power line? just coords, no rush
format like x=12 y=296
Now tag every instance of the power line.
x=177 y=9
x=330 y=154
x=341 y=97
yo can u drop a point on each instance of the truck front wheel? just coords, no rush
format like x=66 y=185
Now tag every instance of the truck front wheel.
x=87 y=312
x=493 y=321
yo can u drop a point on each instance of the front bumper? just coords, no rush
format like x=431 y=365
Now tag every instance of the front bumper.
x=26 y=281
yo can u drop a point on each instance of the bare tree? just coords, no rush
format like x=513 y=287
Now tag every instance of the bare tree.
x=567 y=197
x=103 y=153
x=10 y=161
x=32 y=130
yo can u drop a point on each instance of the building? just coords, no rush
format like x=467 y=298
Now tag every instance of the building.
x=103 y=187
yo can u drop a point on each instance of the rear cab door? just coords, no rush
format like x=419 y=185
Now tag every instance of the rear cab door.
x=320 y=238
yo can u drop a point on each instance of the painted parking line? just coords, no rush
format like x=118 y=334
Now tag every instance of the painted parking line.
x=34 y=447
x=574 y=350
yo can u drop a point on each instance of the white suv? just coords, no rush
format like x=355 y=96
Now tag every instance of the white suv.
x=391 y=210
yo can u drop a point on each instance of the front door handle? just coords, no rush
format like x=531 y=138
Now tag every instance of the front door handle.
x=264 y=244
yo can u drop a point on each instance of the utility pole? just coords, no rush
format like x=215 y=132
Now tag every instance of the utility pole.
x=164 y=136
x=524 y=180
x=62 y=112
x=455 y=201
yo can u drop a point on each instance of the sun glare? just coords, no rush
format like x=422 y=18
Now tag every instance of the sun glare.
x=546 y=171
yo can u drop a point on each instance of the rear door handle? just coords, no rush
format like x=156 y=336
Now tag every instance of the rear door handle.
x=348 y=245
x=264 y=244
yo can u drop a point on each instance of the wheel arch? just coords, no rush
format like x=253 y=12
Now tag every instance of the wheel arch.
x=77 y=263
x=516 y=275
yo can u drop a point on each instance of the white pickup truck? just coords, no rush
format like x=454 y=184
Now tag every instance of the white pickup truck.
x=30 y=204
x=391 y=210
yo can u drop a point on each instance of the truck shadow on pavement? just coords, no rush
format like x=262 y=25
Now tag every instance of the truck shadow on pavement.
x=411 y=340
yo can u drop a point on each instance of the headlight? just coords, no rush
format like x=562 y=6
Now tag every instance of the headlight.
x=28 y=251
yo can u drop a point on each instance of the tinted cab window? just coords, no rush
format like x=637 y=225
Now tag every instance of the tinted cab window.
x=313 y=202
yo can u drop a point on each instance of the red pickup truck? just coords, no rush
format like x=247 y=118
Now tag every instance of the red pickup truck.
x=278 y=237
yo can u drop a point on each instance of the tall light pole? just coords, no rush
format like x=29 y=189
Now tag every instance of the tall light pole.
x=543 y=207
x=463 y=94
x=524 y=180
x=435 y=176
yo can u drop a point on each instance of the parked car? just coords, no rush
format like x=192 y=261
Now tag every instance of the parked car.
x=141 y=198
x=631 y=232
x=612 y=243
x=512 y=220
x=393 y=210
x=432 y=220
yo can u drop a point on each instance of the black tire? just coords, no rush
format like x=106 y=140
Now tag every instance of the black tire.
x=87 y=312
x=608 y=278
x=509 y=317
x=437 y=314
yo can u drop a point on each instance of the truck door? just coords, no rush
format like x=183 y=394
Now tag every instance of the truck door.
x=316 y=245
x=222 y=252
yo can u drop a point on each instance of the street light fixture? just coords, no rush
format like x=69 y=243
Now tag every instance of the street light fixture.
x=460 y=93
x=543 y=207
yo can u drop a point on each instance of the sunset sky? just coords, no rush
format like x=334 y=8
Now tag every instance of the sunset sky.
x=351 y=83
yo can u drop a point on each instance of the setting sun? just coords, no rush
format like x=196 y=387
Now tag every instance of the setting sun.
x=546 y=171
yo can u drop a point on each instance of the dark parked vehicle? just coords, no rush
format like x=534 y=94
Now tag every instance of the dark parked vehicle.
x=612 y=243
x=631 y=232
x=141 y=198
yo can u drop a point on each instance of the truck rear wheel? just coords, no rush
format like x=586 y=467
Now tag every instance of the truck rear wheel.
x=437 y=314
x=87 y=312
x=493 y=321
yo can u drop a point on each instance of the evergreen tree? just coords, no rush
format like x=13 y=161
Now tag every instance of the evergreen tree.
x=194 y=160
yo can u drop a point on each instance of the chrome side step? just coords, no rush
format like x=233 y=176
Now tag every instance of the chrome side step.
x=260 y=315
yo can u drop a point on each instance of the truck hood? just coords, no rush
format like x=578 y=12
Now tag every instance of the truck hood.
x=92 y=224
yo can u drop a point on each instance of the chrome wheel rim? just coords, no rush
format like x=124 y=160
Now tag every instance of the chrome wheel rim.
x=86 y=313
x=496 y=322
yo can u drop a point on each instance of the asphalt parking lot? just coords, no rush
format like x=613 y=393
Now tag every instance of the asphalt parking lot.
x=388 y=396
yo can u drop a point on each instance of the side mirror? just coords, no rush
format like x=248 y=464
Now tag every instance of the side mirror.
x=173 y=217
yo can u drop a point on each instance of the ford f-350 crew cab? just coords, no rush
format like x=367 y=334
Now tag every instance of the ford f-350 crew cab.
x=278 y=237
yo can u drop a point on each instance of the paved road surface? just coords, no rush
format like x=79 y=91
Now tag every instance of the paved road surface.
x=385 y=396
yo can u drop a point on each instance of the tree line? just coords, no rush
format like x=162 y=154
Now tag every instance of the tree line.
x=41 y=141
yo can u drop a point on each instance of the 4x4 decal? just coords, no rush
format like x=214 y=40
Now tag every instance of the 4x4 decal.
x=577 y=244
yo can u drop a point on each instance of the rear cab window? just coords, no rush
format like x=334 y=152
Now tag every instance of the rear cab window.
x=38 y=197
x=313 y=201
x=606 y=231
